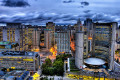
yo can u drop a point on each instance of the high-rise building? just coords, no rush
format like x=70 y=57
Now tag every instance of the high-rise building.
x=49 y=39
x=79 y=46
x=88 y=24
x=103 y=45
x=118 y=34
x=27 y=36
x=63 y=41
x=36 y=38
x=88 y=27
x=50 y=26
x=49 y=35
x=42 y=40
x=85 y=44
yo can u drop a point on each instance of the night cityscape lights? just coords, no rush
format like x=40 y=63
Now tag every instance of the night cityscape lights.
x=59 y=40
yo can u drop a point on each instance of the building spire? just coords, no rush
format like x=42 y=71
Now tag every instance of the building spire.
x=78 y=21
x=79 y=24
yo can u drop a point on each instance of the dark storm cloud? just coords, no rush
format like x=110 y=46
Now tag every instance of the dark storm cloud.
x=46 y=17
x=86 y=11
x=81 y=7
x=85 y=3
x=15 y=3
x=42 y=11
x=40 y=18
x=88 y=15
x=68 y=1
x=104 y=18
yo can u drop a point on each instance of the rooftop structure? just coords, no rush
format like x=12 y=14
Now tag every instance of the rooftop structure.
x=94 y=61
x=16 y=75
x=18 y=53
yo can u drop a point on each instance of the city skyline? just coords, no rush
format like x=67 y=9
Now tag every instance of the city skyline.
x=38 y=12
x=59 y=40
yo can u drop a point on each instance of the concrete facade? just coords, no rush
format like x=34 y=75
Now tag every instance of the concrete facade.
x=114 y=25
x=103 y=44
x=63 y=41
x=79 y=50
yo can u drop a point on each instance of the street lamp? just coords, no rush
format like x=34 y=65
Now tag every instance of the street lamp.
x=104 y=76
x=99 y=75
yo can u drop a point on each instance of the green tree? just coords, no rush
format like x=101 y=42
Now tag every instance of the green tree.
x=63 y=56
x=48 y=62
x=45 y=69
x=51 y=71
x=58 y=67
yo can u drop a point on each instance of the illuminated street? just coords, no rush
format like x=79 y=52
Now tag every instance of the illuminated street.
x=73 y=76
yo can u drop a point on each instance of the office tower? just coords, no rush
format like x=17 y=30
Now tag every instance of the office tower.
x=42 y=40
x=36 y=38
x=42 y=36
x=49 y=39
x=20 y=60
x=88 y=24
x=33 y=37
x=88 y=27
x=11 y=32
x=50 y=35
x=63 y=41
x=27 y=36
x=62 y=27
x=80 y=27
x=23 y=38
x=118 y=34
x=79 y=47
x=15 y=32
x=103 y=45
x=1 y=33
x=117 y=44
x=85 y=44
x=50 y=26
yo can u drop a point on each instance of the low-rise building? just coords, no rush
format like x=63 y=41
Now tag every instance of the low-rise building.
x=16 y=75
x=8 y=46
x=20 y=60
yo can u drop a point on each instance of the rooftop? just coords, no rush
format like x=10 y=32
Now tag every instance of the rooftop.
x=19 y=74
x=17 y=53
x=6 y=43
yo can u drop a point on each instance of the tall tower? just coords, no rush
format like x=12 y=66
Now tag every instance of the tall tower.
x=50 y=26
x=79 y=46
x=113 y=40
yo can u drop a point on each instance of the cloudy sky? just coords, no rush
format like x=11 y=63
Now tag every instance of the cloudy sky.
x=38 y=12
